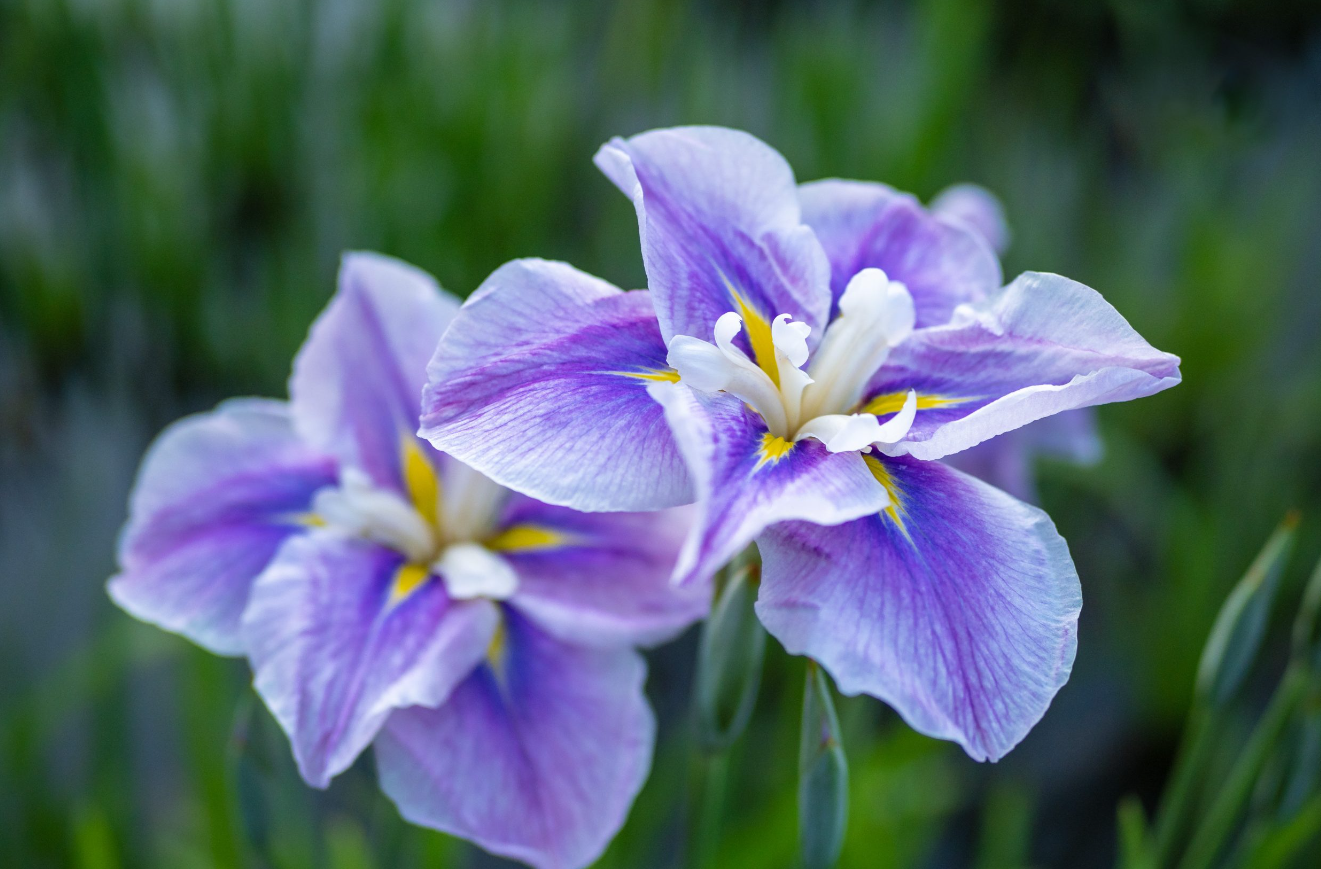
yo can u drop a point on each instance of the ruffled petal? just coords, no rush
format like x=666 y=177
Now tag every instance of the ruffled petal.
x=721 y=231
x=958 y=607
x=541 y=385
x=1043 y=345
x=943 y=262
x=537 y=758
x=335 y=646
x=747 y=479
x=357 y=381
x=600 y=578
x=216 y=496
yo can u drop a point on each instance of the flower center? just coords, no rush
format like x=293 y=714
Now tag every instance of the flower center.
x=439 y=532
x=875 y=314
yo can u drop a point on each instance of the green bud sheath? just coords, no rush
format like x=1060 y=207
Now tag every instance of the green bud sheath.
x=823 y=776
x=1240 y=626
x=729 y=661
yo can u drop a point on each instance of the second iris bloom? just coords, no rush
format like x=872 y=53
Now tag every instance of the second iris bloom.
x=387 y=595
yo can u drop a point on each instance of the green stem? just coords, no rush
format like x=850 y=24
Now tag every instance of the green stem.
x=712 y=811
x=1219 y=821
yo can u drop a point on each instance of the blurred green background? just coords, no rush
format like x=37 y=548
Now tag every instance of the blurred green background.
x=178 y=178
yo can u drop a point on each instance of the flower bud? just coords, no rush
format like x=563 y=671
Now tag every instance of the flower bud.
x=729 y=662
x=1305 y=639
x=1240 y=627
x=823 y=776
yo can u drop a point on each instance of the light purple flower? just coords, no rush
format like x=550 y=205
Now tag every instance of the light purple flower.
x=387 y=594
x=809 y=403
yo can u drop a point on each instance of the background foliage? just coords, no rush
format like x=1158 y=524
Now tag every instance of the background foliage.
x=178 y=178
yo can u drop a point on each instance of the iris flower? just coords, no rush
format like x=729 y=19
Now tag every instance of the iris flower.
x=387 y=594
x=805 y=409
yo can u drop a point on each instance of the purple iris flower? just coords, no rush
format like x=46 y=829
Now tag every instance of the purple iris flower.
x=804 y=407
x=387 y=594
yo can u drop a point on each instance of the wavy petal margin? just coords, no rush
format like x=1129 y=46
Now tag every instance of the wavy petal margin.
x=1043 y=345
x=357 y=381
x=944 y=262
x=721 y=231
x=333 y=652
x=958 y=606
x=537 y=757
x=216 y=496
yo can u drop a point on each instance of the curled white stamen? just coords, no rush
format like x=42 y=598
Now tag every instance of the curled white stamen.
x=875 y=314
x=469 y=509
x=470 y=503
x=358 y=508
x=844 y=432
x=723 y=367
x=790 y=340
x=471 y=571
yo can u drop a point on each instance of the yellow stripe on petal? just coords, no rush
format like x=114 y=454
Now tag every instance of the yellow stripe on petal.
x=498 y=649
x=893 y=402
x=759 y=332
x=895 y=511
x=408 y=579
x=772 y=450
x=526 y=538
x=421 y=481
x=658 y=375
x=307 y=520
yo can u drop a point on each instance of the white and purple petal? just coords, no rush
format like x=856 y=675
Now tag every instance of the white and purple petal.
x=958 y=607
x=334 y=648
x=1043 y=345
x=541 y=384
x=721 y=229
x=216 y=496
x=747 y=479
x=600 y=578
x=357 y=381
x=942 y=261
x=537 y=757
